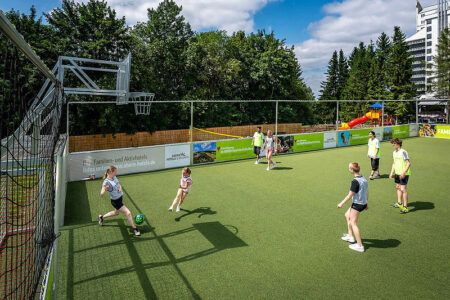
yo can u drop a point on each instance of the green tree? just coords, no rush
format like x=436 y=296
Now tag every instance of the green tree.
x=329 y=87
x=343 y=74
x=441 y=70
x=325 y=111
x=93 y=30
x=20 y=81
x=399 y=77
x=90 y=30
x=378 y=74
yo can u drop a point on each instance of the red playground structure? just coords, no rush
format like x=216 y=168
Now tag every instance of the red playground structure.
x=375 y=117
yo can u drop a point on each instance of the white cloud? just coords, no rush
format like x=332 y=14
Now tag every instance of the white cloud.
x=229 y=15
x=346 y=24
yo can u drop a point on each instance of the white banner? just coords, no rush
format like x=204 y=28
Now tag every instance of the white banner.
x=329 y=139
x=82 y=165
x=177 y=156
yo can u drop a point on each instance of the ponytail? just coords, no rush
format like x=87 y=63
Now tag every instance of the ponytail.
x=109 y=171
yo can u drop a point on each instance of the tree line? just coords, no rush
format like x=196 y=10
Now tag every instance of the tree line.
x=168 y=59
x=380 y=71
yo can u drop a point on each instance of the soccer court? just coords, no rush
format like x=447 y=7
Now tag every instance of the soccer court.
x=245 y=232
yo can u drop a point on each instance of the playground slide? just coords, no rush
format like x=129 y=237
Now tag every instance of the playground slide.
x=360 y=120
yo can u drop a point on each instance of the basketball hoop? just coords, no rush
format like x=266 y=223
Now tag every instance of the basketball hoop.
x=142 y=102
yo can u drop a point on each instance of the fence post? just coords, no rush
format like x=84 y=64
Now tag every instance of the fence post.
x=276 y=119
x=417 y=112
x=192 y=120
x=337 y=114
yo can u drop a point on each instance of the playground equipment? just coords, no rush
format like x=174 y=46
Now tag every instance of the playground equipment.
x=375 y=113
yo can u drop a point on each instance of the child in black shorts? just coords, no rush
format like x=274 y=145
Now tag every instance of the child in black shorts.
x=359 y=192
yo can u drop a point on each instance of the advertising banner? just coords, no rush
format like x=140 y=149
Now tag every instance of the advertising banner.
x=427 y=130
x=343 y=138
x=177 y=156
x=329 y=139
x=234 y=149
x=309 y=141
x=413 y=129
x=401 y=131
x=285 y=144
x=442 y=131
x=387 y=133
x=83 y=165
x=204 y=152
x=378 y=133
x=359 y=136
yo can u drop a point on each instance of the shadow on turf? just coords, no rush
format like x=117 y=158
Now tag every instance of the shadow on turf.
x=201 y=211
x=382 y=176
x=281 y=168
x=419 y=205
x=217 y=234
x=372 y=243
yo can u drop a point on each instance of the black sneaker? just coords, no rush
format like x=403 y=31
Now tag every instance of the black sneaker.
x=136 y=232
x=100 y=220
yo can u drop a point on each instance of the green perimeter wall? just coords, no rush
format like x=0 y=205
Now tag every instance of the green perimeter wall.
x=143 y=159
x=242 y=148
x=305 y=142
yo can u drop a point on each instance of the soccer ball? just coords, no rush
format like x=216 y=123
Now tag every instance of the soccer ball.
x=139 y=219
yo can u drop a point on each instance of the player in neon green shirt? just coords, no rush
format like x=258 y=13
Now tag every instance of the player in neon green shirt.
x=400 y=172
x=257 y=143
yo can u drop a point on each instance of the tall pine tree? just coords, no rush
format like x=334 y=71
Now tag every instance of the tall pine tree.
x=342 y=75
x=330 y=85
x=441 y=82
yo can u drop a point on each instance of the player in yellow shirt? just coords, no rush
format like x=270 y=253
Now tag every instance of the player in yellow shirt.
x=257 y=143
x=401 y=170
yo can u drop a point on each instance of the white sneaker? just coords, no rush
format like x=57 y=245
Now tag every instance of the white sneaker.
x=268 y=169
x=256 y=162
x=356 y=247
x=178 y=209
x=273 y=164
x=170 y=208
x=348 y=238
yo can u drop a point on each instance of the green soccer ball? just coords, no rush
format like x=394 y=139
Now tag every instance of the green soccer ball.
x=139 y=219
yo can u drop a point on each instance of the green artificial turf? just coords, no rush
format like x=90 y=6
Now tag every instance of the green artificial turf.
x=248 y=233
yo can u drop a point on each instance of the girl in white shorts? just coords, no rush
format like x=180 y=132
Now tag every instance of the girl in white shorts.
x=269 y=145
x=183 y=189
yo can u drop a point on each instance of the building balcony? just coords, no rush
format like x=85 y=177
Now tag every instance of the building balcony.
x=415 y=42
x=416 y=49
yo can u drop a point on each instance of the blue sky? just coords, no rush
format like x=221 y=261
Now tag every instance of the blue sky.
x=315 y=28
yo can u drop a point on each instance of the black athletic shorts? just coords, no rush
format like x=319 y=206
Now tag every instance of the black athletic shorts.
x=117 y=203
x=359 y=207
x=256 y=150
x=375 y=162
x=400 y=181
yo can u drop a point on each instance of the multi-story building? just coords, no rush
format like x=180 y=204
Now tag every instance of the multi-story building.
x=430 y=21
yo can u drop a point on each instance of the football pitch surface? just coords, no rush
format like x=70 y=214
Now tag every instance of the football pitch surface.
x=245 y=232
